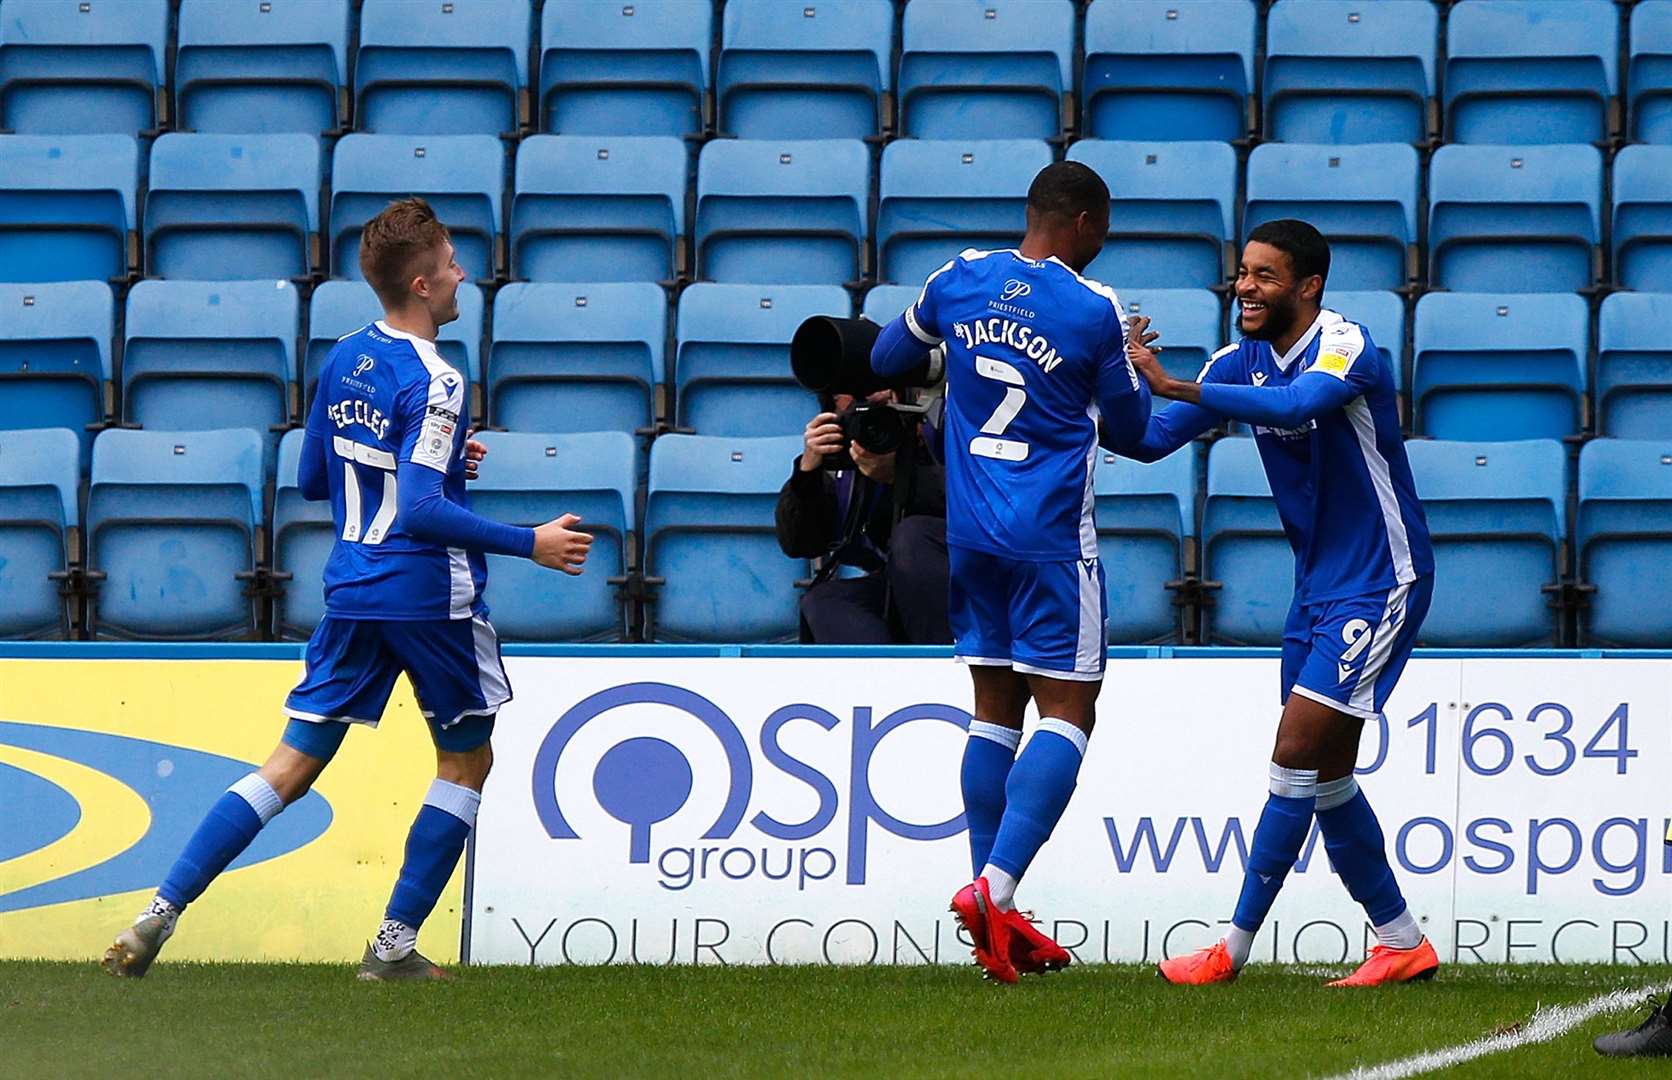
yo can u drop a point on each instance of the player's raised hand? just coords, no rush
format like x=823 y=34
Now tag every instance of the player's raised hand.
x=474 y=452
x=1141 y=350
x=822 y=438
x=559 y=546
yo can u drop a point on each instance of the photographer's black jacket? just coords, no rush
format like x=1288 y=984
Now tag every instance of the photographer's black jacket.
x=820 y=509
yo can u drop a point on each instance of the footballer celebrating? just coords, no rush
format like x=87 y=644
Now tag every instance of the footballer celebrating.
x=1321 y=402
x=1035 y=353
x=386 y=444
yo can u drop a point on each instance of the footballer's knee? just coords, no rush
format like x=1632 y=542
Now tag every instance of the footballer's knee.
x=291 y=773
x=467 y=768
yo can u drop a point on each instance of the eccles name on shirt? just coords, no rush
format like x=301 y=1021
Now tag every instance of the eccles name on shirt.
x=1024 y=339
x=351 y=411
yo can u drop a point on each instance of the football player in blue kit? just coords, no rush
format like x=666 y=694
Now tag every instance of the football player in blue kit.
x=1322 y=405
x=386 y=444
x=1035 y=356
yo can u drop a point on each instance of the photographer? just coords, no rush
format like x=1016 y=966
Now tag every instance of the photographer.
x=843 y=503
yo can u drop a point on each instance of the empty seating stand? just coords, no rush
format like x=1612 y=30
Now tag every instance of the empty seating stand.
x=1649 y=74
x=1642 y=196
x=981 y=70
x=80 y=67
x=443 y=67
x=303 y=534
x=1623 y=541
x=55 y=357
x=1171 y=214
x=614 y=68
x=940 y=197
x=1360 y=73
x=262 y=66
x=790 y=70
x=1160 y=69
x=1146 y=530
x=1247 y=564
x=1531 y=71
x=1634 y=366
x=40 y=476
x=68 y=207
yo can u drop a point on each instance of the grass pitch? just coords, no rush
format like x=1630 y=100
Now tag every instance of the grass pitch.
x=235 y=1020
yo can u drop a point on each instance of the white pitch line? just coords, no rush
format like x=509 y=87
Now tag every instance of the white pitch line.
x=1546 y=1024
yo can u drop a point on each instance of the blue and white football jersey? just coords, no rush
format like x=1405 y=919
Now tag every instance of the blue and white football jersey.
x=1031 y=348
x=1342 y=483
x=385 y=398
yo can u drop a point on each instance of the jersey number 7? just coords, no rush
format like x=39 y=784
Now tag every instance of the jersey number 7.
x=353 y=454
x=988 y=444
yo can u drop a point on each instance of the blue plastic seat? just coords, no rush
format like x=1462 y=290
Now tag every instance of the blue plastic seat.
x=783 y=211
x=1349 y=74
x=791 y=70
x=598 y=208
x=55 y=357
x=884 y=303
x=1497 y=513
x=1191 y=323
x=1171 y=214
x=1362 y=198
x=938 y=198
x=569 y=357
x=262 y=66
x=303 y=535
x=1499 y=366
x=82 y=67
x=172 y=531
x=1514 y=219
x=533 y=479
x=710 y=547
x=67 y=206
x=338 y=308
x=453 y=68
x=1642 y=196
x=732 y=369
x=1531 y=71
x=207 y=355
x=1623 y=540
x=1146 y=526
x=1381 y=313
x=225 y=207
x=980 y=70
x=40 y=522
x=462 y=176
x=1161 y=69
x=1634 y=366
x=612 y=68
x=1244 y=550
x=1649 y=74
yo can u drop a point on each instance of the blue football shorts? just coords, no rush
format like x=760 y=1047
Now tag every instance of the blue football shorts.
x=1040 y=618
x=352 y=664
x=1349 y=653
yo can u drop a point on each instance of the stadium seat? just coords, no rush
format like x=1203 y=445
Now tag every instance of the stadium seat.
x=535 y=478
x=1497 y=513
x=610 y=68
x=462 y=176
x=262 y=66
x=884 y=303
x=568 y=358
x=1642 y=196
x=1246 y=559
x=1161 y=69
x=40 y=524
x=1171 y=214
x=208 y=355
x=597 y=208
x=1362 y=198
x=1381 y=313
x=1146 y=528
x=711 y=550
x=1634 y=366
x=338 y=308
x=55 y=357
x=68 y=207
x=453 y=68
x=83 y=67
x=225 y=207
x=790 y=70
x=1623 y=540
x=938 y=198
x=303 y=533
x=1649 y=74
x=1191 y=323
x=978 y=70
x=787 y=212
x=1514 y=219
x=1531 y=71
x=1499 y=366
x=1358 y=74
x=173 y=531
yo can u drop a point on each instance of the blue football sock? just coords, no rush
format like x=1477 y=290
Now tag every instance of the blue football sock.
x=1035 y=795
x=1283 y=826
x=432 y=851
x=1358 y=851
x=225 y=832
x=988 y=756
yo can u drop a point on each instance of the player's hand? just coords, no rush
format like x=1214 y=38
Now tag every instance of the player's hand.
x=474 y=452
x=1141 y=351
x=879 y=467
x=559 y=546
x=822 y=438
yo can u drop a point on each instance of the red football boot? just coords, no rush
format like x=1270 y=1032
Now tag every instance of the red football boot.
x=1204 y=966
x=1389 y=965
x=1032 y=951
x=989 y=929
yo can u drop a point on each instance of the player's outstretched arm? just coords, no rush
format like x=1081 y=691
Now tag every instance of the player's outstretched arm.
x=899 y=352
x=1141 y=434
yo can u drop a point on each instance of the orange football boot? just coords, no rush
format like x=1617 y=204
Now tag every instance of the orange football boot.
x=1032 y=951
x=989 y=929
x=1389 y=965
x=1204 y=966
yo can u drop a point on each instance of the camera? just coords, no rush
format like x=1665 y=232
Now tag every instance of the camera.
x=832 y=356
x=878 y=428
